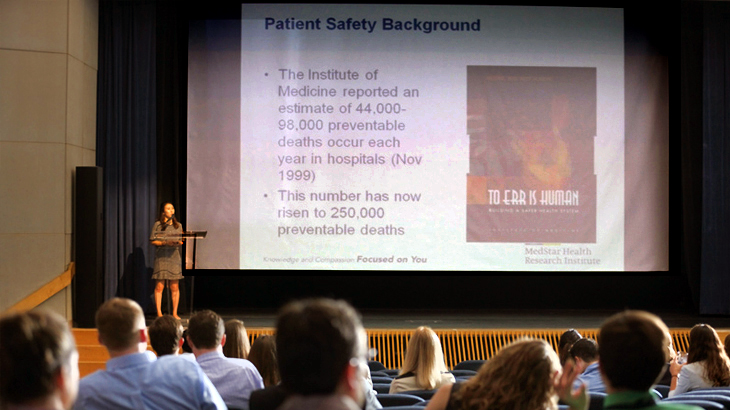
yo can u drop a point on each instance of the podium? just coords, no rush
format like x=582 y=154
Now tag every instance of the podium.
x=185 y=235
x=194 y=236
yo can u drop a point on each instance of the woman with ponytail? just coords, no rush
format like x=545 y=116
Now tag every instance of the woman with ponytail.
x=166 y=236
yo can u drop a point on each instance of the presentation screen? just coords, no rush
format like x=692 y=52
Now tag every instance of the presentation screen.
x=395 y=137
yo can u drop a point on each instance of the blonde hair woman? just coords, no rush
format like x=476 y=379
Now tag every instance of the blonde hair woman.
x=424 y=367
x=522 y=376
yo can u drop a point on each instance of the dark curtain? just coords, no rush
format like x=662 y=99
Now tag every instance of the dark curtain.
x=715 y=119
x=690 y=156
x=171 y=74
x=140 y=135
x=127 y=144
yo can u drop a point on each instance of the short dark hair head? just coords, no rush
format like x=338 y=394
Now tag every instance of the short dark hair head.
x=568 y=337
x=566 y=340
x=165 y=333
x=206 y=329
x=631 y=349
x=315 y=340
x=34 y=347
x=185 y=346
x=118 y=321
x=586 y=349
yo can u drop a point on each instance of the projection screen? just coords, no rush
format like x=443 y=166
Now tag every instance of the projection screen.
x=396 y=137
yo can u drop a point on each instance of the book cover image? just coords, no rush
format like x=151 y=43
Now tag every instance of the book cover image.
x=531 y=155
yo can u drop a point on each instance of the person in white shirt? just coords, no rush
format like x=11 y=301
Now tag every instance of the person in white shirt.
x=707 y=363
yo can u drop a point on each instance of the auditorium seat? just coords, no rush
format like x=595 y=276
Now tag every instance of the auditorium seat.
x=721 y=390
x=663 y=390
x=375 y=366
x=473 y=365
x=596 y=401
x=411 y=407
x=379 y=373
x=705 y=404
x=424 y=394
x=398 y=399
x=717 y=398
x=381 y=388
x=718 y=391
x=381 y=379
x=463 y=373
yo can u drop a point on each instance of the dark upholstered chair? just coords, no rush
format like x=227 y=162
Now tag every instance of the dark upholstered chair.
x=399 y=399
x=473 y=365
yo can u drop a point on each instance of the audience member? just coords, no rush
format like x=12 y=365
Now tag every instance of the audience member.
x=263 y=356
x=727 y=345
x=185 y=345
x=423 y=367
x=234 y=378
x=565 y=342
x=631 y=355
x=134 y=378
x=521 y=376
x=666 y=378
x=707 y=363
x=584 y=353
x=38 y=362
x=237 y=343
x=321 y=345
x=166 y=335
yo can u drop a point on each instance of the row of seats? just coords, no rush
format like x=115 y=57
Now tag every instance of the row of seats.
x=417 y=399
x=715 y=398
x=471 y=365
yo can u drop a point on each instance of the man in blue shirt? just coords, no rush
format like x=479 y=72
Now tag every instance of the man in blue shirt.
x=134 y=378
x=234 y=378
x=39 y=363
x=585 y=354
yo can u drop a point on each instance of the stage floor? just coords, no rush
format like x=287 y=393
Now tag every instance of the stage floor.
x=492 y=319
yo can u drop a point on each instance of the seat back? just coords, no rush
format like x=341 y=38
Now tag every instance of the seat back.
x=424 y=394
x=473 y=365
x=705 y=404
x=398 y=399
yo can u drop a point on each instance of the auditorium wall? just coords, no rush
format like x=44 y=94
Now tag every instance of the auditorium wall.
x=48 y=80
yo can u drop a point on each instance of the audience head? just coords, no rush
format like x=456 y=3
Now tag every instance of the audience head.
x=669 y=351
x=584 y=352
x=165 y=335
x=205 y=330
x=727 y=344
x=501 y=383
x=632 y=350
x=237 y=344
x=566 y=340
x=38 y=361
x=424 y=357
x=320 y=344
x=705 y=346
x=263 y=356
x=185 y=345
x=121 y=326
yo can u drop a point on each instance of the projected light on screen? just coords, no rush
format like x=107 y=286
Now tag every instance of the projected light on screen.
x=361 y=137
